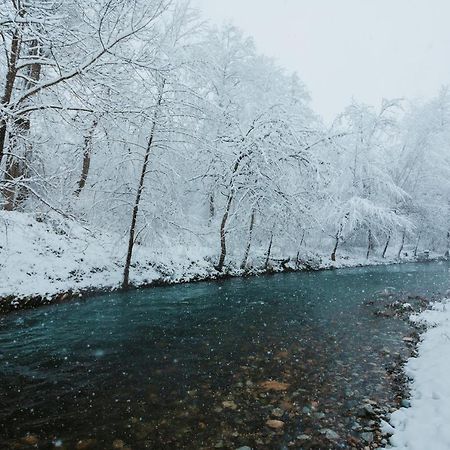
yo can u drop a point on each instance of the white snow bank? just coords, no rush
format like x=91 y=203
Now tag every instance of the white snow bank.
x=426 y=424
x=53 y=255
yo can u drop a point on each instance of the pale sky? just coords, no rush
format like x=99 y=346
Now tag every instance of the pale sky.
x=366 y=49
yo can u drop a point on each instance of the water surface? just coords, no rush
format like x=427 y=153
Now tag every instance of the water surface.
x=182 y=366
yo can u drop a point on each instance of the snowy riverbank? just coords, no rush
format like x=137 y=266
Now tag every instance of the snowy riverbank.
x=48 y=259
x=426 y=423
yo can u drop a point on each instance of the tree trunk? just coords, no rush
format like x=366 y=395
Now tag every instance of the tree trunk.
x=223 y=232
x=266 y=264
x=417 y=245
x=401 y=245
x=9 y=86
x=369 y=243
x=249 y=240
x=87 y=151
x=386 y=246
x=336 y=244
x=223 y=245
x=17 y=168
x=132 y=233
x=212 y=208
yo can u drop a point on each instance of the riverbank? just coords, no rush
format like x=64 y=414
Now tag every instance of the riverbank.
x=424 y=420
x=50 y=260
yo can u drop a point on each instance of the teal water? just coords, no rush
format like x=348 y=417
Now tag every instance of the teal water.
x=153 y=368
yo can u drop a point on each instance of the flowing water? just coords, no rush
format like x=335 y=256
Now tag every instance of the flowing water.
x=184 y=366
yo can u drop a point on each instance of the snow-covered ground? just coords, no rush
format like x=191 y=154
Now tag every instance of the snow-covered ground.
x=53 y=256
x=426 y=424
x=48 y=256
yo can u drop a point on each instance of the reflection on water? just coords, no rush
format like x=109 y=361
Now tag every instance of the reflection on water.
x=185 y=366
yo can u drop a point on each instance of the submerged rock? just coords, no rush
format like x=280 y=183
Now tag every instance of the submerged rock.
x=229 y=404
x=30 y=439
x=118 y=444
x=273 y=385
x=275 y=424
x=85 y=444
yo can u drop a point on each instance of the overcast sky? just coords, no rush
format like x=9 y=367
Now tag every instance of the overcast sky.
x=366 y=49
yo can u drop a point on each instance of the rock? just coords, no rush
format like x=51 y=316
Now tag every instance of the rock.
x=304 y=437
x=85 y=444
x=229 y=404
x=306 y=410
x=319 y=415
x=277 y=412
x=367 y=437
x=30 y=439
x=245 y=447
x=329 y=434
x=118 y=444
x=275 y=424
x=366 y=411
x=273 y=385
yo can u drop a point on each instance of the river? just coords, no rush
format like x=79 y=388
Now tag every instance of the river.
x=206 y=365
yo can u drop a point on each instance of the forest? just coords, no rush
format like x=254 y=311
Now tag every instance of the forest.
x=149 y=128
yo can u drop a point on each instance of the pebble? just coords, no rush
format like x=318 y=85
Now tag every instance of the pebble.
x=275 y=424
x=304 y=437
x=367 y=437
x=277 y=412
x=30 y=439
x=330 y=434
x=229 y=404
x=84 y=444
x=273 y=385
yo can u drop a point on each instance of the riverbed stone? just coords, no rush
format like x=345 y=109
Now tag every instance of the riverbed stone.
x=30 y=439
x=118 y=444
x=367 y=437
x=329 y=434
x=275 y=424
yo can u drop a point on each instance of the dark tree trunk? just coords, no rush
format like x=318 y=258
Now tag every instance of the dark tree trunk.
x=336 y=244
x=132 y=233
x=87 y=152
x=447 y=253
x=223 y=233
x=223 y=223
x=212 y=207
x=249 y=240
x=401 y=245
x=266 y=264
x=17 y=168
x=386 y=246
x=369 y=243
x=9 y=86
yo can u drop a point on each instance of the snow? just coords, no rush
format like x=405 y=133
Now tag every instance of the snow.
x=53 y=256
x=426 y=423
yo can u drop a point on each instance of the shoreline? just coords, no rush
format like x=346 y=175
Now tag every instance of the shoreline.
x=14 y=303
